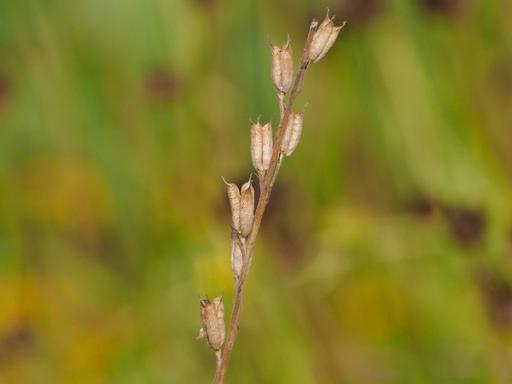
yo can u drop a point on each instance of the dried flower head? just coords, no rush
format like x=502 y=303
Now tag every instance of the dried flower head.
x=323 y=39
x=292 y=133
x=261 y=146
x=212 y=316
x=282 y=66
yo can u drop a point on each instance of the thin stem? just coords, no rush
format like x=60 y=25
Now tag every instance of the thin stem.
x=266 y=188
x=218 y=355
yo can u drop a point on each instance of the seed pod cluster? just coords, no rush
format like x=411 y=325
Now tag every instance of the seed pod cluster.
x=323 y=39
x=292 y=133
x=212 y=316
x=282 y=66
x=242 y=200
x=261 y=146
x=242 y=206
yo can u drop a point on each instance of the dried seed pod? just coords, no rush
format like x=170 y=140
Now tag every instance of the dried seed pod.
x=234 y=202
x=256 y=145
x=282 y=66
x=242 y=206
x=261 y=146
x=237 y=259
x=292 y=133
x=246 y=208
x=275 y=52
x=266 y=145
x=323 y=39
x=212 y=316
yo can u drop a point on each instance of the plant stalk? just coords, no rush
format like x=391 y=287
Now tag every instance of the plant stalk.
x=266 y=185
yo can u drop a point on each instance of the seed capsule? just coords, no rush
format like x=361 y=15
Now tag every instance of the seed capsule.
x=246 y=208
x=242 y=206
x=292 y=133
x=212 y=316
x=234 y=202
x=261 y=146
x=266 y=146
x=237 y=259
x=256 y=144
x=323 y=39
x=282 y=66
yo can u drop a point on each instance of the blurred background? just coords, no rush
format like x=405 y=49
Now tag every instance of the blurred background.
x=386 y=253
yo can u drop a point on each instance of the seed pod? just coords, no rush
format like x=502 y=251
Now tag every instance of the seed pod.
x=234 y=202
x=282 y=66
x=212 y=316
x=292 y=133
x=242 y=206
x=261 y=146
x=246 y=208
x=256 y=145
x=323 y=39
x=237 y=259
x=266 y=145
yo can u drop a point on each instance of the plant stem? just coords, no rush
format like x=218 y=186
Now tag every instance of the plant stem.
x=266 y=185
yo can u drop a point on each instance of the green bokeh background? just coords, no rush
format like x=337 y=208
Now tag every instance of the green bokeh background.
x=386 y=253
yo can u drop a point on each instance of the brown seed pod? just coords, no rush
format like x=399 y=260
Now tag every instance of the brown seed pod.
x=256 y=145
x=261 y=146
x=234 y=202
x=246 y=208
x=266 y=145
x=212 y=316
x=323 y=39
x=292 y=133
x=282 y=66
x=242 y=206
x=237 y=259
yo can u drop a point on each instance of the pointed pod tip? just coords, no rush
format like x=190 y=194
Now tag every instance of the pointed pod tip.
x=288 y=42
x=202 y=334
x=247 y=184
x=227 y=183
x=328 y=18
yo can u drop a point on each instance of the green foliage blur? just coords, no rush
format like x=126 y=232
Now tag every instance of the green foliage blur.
x=386 y=253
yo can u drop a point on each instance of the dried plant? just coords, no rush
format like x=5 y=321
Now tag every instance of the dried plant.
x=267 y=154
